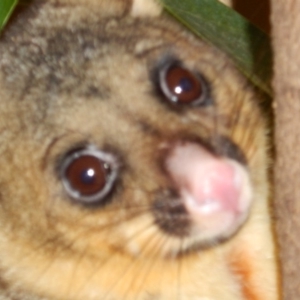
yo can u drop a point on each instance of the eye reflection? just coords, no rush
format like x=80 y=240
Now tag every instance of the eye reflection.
x=182 y=86
x=88 y=175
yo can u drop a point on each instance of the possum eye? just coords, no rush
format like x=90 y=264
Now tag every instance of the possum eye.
x=182 y=86
x=88 y=175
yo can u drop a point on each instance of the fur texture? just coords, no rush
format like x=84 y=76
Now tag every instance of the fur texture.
x=76 y=73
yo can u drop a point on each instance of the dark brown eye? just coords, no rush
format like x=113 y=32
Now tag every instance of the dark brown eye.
x=88 y=175
x=181 y=86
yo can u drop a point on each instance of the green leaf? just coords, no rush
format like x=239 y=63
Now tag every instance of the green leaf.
x=6 y=9
x=220 y=25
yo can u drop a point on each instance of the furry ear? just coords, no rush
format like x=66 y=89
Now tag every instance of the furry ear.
x=227 y=2
x=146 y=8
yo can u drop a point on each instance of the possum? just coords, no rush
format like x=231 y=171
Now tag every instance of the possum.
x=134 y=160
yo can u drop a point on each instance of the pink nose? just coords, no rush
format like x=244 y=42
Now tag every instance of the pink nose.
x=216 y=191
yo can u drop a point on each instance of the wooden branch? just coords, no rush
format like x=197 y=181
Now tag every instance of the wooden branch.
x=285 y=20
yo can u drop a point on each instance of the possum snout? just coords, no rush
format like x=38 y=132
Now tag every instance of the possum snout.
x=214 y=190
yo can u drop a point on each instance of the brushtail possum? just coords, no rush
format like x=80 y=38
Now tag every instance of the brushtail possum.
x=134 y=160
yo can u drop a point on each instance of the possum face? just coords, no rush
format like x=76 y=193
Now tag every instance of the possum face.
x=124 y=140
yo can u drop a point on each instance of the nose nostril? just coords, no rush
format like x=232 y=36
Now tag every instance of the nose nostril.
x=227 y=148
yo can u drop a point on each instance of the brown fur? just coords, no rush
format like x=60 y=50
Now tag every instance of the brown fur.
x=74 y=72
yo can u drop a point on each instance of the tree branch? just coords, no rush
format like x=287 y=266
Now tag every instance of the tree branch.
x=286 y=44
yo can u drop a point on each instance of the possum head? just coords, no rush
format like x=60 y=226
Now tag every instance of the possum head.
x=124 y=140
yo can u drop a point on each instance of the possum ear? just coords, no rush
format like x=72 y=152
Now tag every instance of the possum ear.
x=146 y=8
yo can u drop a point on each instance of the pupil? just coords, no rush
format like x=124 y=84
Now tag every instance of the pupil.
x=185 y=84
x=181 y=86
x=87 y=176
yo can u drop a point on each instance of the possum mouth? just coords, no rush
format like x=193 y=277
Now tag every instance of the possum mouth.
x=211 y=194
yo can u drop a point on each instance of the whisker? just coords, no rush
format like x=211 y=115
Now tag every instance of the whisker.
x=148 y=265
x=129 y=268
